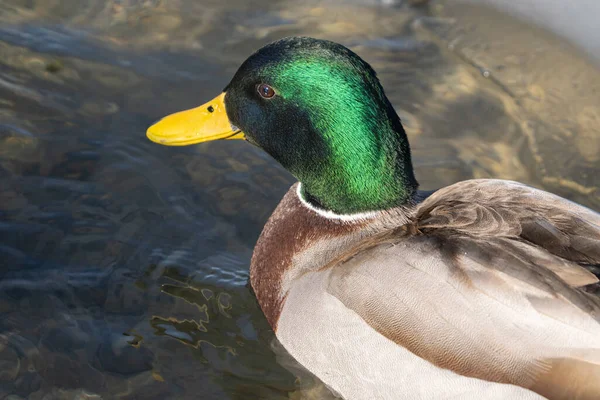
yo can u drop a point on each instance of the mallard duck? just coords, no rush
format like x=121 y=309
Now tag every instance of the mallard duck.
x=479 y=290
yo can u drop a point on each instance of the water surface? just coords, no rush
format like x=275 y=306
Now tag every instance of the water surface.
x=124 y=264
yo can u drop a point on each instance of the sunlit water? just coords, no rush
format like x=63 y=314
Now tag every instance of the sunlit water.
x=123 y=264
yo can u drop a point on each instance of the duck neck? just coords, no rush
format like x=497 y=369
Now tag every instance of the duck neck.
x=364 y=172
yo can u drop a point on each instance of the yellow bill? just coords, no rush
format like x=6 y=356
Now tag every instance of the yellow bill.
x=201 y=124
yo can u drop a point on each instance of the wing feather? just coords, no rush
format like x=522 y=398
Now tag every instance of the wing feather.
x=488 y=283
x=492 y=209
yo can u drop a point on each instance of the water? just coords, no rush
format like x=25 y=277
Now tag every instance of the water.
x=123 y=264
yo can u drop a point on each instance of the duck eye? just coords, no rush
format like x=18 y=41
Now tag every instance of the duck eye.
x=265 y=91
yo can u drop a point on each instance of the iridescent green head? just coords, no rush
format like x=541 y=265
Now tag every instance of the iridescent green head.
x=319 y=109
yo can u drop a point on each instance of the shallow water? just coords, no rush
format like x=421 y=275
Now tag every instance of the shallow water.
x=123 y=264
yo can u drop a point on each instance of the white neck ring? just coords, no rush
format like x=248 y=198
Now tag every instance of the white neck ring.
x=330 y=214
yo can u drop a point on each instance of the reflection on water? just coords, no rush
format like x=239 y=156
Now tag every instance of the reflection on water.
x=123 y=264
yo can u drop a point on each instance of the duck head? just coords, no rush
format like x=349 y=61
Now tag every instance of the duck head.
x=318 y=109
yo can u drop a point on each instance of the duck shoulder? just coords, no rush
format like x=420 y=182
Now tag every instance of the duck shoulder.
x=487 y=280
x=565 y=234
